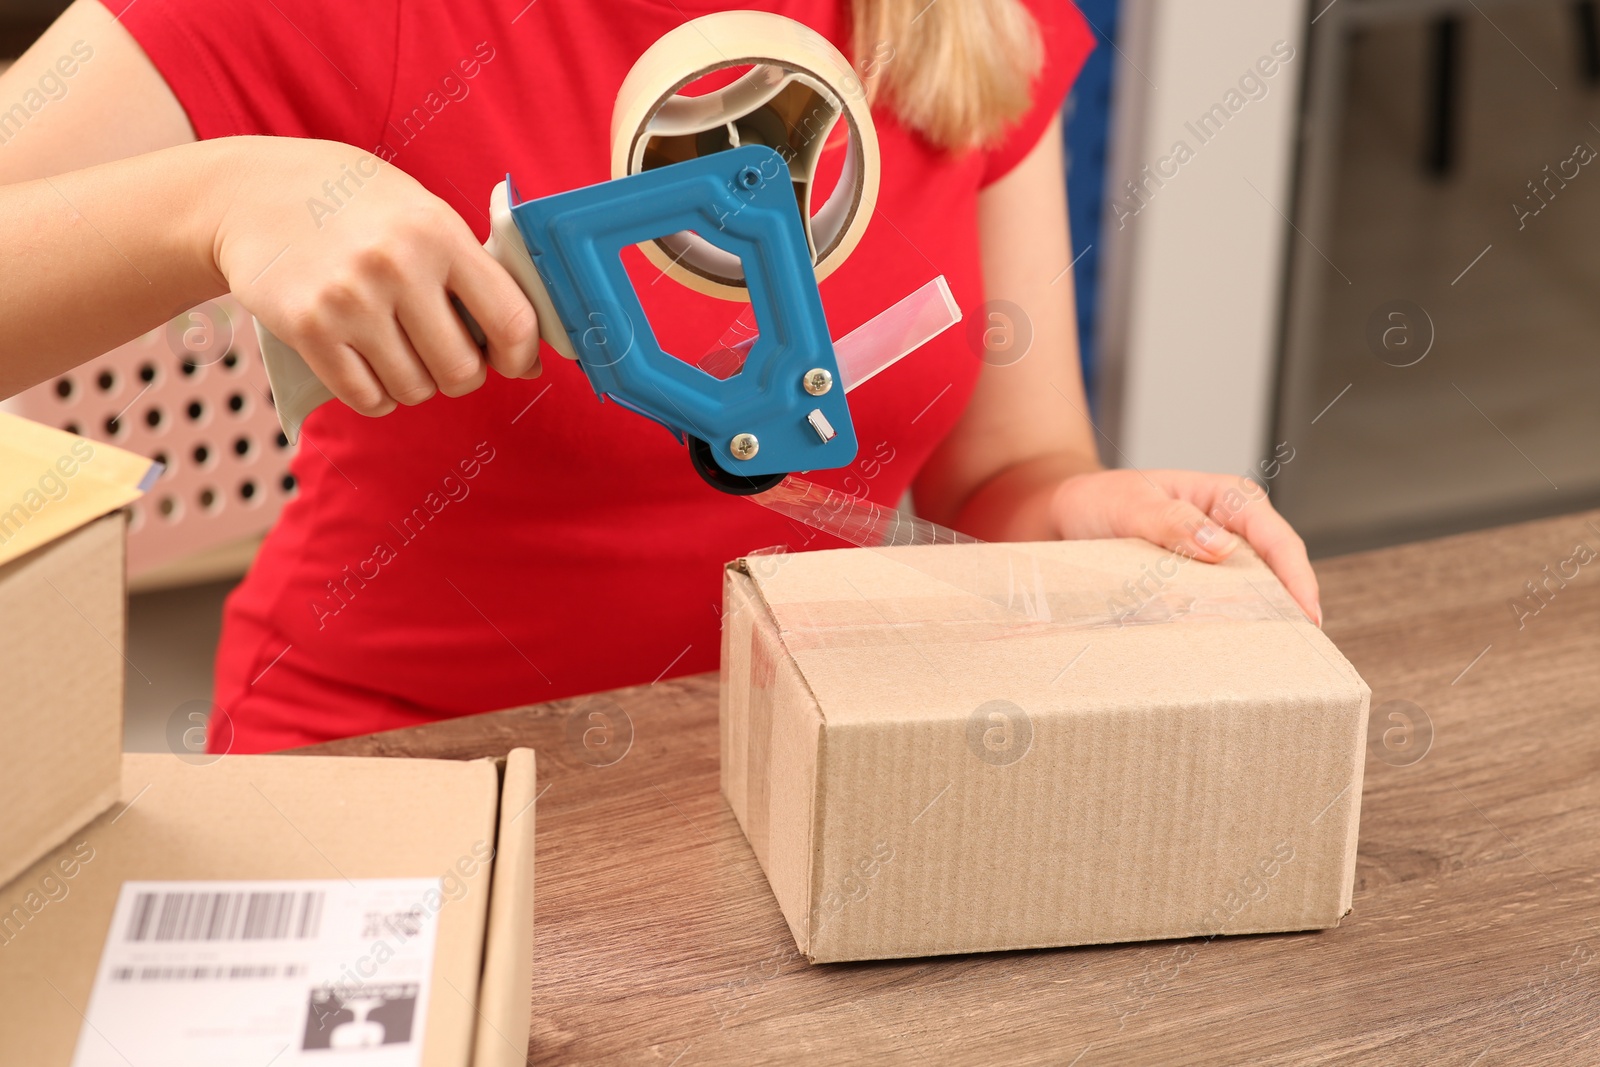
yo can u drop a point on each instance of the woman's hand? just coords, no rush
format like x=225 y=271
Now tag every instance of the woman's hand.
x=351 y=262
x=1188 y=512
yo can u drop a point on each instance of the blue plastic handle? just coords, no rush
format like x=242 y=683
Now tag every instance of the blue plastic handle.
x=742 y=201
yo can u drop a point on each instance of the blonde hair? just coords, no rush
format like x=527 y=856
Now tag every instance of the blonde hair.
x=957 y=71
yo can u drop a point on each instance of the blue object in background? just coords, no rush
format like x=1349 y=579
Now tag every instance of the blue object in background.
x=1087 y=118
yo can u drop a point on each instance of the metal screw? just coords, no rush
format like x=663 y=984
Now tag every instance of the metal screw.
x=817 y=381
x=744 y=446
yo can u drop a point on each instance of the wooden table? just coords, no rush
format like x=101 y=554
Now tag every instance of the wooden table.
x=1475 y=938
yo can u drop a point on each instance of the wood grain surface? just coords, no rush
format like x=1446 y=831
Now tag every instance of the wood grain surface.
x=1475 y=938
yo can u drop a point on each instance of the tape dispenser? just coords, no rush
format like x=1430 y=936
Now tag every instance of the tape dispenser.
x=717 y=190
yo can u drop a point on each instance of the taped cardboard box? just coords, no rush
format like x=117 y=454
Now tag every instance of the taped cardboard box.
x=62 y=599
x=463 y=827
x=964 y=748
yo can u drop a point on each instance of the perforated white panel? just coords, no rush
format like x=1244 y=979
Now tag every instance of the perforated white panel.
x=194 y=396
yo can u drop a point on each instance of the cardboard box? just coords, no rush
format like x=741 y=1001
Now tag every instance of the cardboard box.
x=291 y=817
x=963 y=748
x=62 y=602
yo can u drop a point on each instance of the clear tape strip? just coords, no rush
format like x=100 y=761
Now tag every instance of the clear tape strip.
x=852 y=519
x=922 y=621
x=1039 y=591
x=864 y=352
x=886 y=338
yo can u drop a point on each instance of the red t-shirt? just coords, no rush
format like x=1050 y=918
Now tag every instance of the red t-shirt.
x=528 y=542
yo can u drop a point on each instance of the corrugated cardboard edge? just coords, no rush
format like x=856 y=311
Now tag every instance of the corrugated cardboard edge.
x=71 y=822
x=505 y=996
x=451 y=1031
x=1352 y=804
x=748 y=624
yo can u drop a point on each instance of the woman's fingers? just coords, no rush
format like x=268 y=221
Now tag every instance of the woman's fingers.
x=1177 y=525
x=503 y=313
x=1195 y=514
x=365 y=296
x=442 y=341
x=1242 y=506
x=347 y=374
x=320 y=339
x=1276 y=542
x=387 y=350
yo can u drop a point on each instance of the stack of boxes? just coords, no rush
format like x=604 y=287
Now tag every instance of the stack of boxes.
x=139 y=894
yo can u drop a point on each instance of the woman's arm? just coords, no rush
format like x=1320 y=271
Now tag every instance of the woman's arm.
x=103 y=99
x=96 y=257
x=1021 y=464
x=98 y=98
x=97 y=254
x=1026 y=427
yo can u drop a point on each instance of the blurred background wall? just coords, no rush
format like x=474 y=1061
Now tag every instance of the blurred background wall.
x=1381 y=265
x=1443 y=279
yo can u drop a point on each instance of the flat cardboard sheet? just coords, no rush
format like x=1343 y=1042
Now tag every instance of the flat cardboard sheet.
x=290 y=817
x=963 y=748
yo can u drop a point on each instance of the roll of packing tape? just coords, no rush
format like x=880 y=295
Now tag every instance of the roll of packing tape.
x=797 y=90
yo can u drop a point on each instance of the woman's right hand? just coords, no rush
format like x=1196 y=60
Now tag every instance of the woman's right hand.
x=352 y=263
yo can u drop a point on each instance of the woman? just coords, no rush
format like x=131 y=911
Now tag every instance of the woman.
x=498 y=537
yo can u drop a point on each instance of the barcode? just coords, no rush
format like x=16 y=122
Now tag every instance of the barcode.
x=225 y=916
x=204 y=974
x=403 y=925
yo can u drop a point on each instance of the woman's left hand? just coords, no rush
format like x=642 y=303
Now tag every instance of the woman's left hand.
x=1189 y=512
